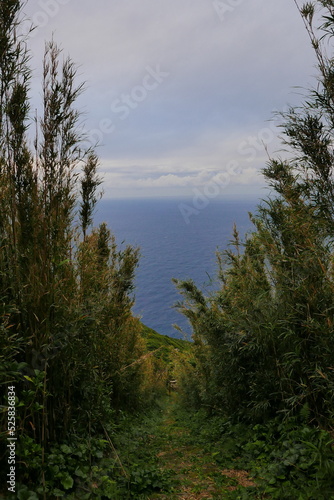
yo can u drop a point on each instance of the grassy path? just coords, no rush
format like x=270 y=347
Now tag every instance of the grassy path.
x=197 y=476
x=171 y=454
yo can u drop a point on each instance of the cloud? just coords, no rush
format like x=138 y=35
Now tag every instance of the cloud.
x=224 y=79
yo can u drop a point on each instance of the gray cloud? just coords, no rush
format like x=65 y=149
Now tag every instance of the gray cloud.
x=223 y=79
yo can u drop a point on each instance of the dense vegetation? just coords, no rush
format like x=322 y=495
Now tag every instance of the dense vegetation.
x=92 y=418
x=264 y=341
x=71 y=350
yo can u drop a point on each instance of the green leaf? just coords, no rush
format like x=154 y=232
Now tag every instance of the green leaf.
x=58 y=493
x=24 y=494
x=87 y=496
x=66 y=449
x=79 y=472
x=67 y=482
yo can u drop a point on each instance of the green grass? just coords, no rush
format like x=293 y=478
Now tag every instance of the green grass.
x=286 y=460
x=171 y=452
x=167 y=458
x=167 y=345
x=187 y=454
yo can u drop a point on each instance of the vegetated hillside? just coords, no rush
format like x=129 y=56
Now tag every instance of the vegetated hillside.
x=167 y=345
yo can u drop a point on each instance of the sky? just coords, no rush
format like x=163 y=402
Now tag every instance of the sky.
x=180 y=94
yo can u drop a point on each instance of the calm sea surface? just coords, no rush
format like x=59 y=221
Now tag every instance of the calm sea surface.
x=172 y=248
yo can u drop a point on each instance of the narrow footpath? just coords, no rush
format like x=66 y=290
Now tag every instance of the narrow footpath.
x=197 y=476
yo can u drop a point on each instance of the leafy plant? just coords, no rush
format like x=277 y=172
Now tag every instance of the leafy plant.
x=263 y=342
x=68 y=337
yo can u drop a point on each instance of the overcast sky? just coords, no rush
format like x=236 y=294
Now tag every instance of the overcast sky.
x=180 y=93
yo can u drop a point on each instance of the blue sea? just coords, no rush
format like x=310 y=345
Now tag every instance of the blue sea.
x=177 y=240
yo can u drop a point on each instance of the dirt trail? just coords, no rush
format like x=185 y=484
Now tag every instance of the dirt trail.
x=197 y=474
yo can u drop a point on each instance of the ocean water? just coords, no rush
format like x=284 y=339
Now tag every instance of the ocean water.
x=177 y=240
